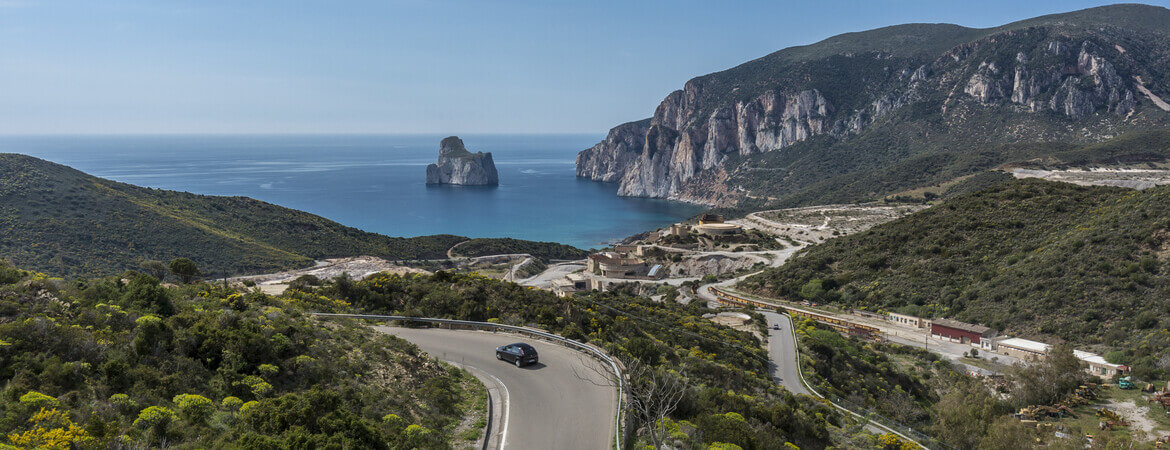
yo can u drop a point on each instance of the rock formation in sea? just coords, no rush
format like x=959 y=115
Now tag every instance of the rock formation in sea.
x=456 y=165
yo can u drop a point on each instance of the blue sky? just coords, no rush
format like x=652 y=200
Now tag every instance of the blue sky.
x=401 y=66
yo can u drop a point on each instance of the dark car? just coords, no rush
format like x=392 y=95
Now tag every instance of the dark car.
x=520 y=354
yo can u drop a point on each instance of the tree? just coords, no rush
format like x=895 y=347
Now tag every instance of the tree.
x=155 y=269
x=145 y=294
x=1007 y=434
x=1050 y=380
x=653 y=395
x=962 y=415
x=185 y=269
x=812 y=290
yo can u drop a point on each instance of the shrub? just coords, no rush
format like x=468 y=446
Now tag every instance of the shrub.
x=123 y=402
x=38 y=400
x=268 y=370
x=194 y=408
x=155 y=419
x=232 y=404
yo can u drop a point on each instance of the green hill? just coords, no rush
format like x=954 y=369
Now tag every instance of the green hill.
x=60 y=221
x=101 y=363
x=1037 y=259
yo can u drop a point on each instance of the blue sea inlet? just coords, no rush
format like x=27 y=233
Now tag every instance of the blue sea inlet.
x=377 y=182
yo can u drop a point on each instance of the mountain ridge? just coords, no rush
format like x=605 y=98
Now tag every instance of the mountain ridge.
x=1056 y=73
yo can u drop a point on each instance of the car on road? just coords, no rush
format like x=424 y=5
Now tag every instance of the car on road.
x=520 y=354
x=775 y=326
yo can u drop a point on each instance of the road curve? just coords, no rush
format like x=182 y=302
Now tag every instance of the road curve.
x=561 y=403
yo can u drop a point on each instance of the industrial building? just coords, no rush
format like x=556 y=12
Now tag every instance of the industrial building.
x=615 y=265
x=956 y=331
x=571 y=284
x=1028 y=350
x=1023 y=349
x=1098 y=366
x=908 y=320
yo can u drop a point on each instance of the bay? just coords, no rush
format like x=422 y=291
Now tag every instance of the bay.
x=377 y=182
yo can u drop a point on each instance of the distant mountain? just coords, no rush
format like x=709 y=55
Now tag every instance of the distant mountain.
x=1039 y=259
x=929 y=102
x=64 y=222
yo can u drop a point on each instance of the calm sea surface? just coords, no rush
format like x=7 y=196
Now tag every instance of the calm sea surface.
x=376 y=183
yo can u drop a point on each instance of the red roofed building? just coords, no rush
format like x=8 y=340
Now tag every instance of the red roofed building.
x=956 y=331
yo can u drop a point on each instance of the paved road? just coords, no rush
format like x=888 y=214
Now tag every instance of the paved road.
x=782 y=353
x=550 y=404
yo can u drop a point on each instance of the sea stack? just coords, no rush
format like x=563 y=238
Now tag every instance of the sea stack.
x=456 y=165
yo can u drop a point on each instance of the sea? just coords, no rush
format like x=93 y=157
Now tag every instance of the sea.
x=377 y=182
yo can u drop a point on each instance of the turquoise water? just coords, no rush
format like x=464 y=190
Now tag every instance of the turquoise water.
x=377 y=183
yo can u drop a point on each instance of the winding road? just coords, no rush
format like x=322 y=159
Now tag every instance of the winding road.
x=563 y=402
x=782 y=353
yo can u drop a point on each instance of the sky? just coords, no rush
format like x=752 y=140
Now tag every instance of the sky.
x=402 y=66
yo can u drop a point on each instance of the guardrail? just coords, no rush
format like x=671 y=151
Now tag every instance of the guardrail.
x=870 y=416
x=881 y=422
x=590 y=349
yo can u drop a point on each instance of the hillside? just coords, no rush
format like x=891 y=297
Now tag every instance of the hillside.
x=1037 y=259
x=796 y=125
x=63 y=222
x=724 y=371
x=101 y=363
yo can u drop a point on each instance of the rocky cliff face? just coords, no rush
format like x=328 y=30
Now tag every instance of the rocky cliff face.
x=456 y=165
x=1070 y=74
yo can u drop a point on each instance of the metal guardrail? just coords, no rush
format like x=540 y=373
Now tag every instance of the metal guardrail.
x=870 y=416
x=590 y=349
x=884 y=423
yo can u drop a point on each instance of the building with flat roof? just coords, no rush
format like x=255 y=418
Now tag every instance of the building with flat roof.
x=614 y=265
x=908 y=320
x=1098 y=366
x=1028 y=350
x=961 y=332
x=1023 y=349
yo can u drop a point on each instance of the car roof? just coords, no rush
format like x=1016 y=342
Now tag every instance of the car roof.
x=521 y=344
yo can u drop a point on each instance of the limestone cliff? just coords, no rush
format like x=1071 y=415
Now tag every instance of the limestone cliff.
x=1071 y=72
x=456 y=165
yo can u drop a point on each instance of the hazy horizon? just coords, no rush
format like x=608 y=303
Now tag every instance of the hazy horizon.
x=402 y=67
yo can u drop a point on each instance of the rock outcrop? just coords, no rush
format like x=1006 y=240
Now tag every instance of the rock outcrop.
x=1071 y=75
x=456 y=165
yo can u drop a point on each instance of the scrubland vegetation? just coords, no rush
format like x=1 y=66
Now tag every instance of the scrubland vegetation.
x=124 y=362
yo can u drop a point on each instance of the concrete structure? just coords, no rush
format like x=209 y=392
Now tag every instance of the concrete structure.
x=625 y=248
x=1023 y=349
x=1036 y=351
x=1098 y=366
x=718 y=229
x=908 y=320
x=679 y=229
x=956 y=331
x=571 y=284
x=613 y=265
